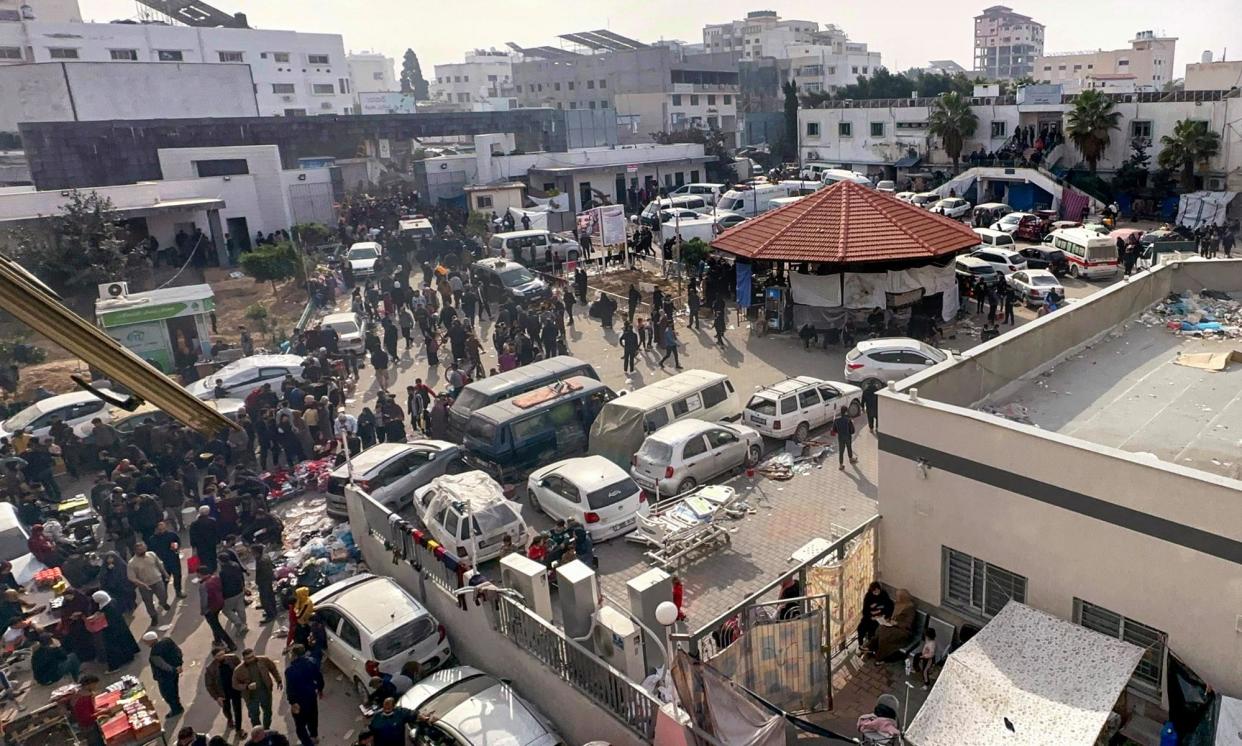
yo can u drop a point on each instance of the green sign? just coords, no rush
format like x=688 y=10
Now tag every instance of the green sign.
x=142 y=314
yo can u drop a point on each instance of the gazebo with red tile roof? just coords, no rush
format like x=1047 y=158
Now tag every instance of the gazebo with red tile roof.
x=847 y=225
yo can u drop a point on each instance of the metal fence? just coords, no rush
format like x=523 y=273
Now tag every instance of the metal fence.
x=579 y=667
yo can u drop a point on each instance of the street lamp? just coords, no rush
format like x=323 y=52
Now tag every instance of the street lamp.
x=666 y=614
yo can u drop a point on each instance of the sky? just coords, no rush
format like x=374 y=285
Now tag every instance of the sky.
x=905 y=32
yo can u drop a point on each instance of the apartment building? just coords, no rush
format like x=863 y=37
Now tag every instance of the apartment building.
x=1213 y=76
x=761 y=34
x=294 y=74
x=1006 y=43
x=1148 y=62
x=372 y=72
x=830 y=61
x=650 y=88
x=482 y=82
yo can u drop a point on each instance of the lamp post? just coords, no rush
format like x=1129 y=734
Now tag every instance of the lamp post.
x=666 y=614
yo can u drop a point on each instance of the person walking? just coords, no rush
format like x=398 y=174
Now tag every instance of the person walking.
x=166 y=660
x=871 y=403
x=303 y=689
x=146 y=571
x=629 y=348
x=670 y=346
x=633 y=297
x=1011 y=297
x=692 y=301
x=843 y=426
x=211 y=603
x=218 y=677
x=166 y=545
x=720 y=325
x=233 y=588
x=380 y=362
x=265 y=582
x=205 y=537
x=256 y=678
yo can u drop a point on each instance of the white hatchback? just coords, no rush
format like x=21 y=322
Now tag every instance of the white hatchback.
x=1005 y=261
x=349 y=332
x=952 y=207
x=1033 y=285
x=796 y=406
x=874 y=362
x=76 y=408
x=1009 y=223
x=375 y=627
x=678 y=457
x=591 y=490
x=469 y=515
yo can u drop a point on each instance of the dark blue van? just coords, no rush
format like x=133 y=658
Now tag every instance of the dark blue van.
x=509 y=384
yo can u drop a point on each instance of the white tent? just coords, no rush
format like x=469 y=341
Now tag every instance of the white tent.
x=1229 y=722
x=1027 y=679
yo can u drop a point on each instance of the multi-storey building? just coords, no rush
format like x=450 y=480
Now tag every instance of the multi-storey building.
x=482 y=82
x=1006 y=43
x=761 y=34
x=294 y=74
x=1213 y=76
x=830 y=61
x=372 y=72
x=1147 y=64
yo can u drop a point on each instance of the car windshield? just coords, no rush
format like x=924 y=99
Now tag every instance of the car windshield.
x=1005 y=240
x=13 y=544
x=985 y=270
x=656 y=451
x=22 y=419
x=762 y=405
x=482 y=429
x=493 y=519
x=403 y=638
x=730 y=203
x=470 y=399
x=1054 y=256
x=1044 y=280
x=363 y=252
x=343 y=327
x=612 y=494
x=516 y=276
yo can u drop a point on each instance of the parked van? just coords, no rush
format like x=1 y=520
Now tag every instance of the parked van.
x=518 y=245
x=650 y=215
x=990 y=239
x=709 y=192
x=833 y=175
x=625 y=421
x=700 y=228
x=510 y=438
x=1090 y=255
x=416 y=228
x=488 y=391
x=757 y=199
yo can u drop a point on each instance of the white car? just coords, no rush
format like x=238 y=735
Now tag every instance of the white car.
x=375 y=627
x=874 y=362
x=77 y=408
x=886 y=186
x=796 y=406
x=952 y=207
x=904 y=196
x=349 y=333
x=1005 y=261
x=1009 y=223
x=726 y=219
x=362 y=257
x=391 y=473
x=1034 y=284
x=924 y=199
x=678 y=457
x=472 y=708
x=591 y=490
x=469 y=515
x=240 y=377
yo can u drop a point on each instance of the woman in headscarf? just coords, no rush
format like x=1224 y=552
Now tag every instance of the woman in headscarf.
x=117 y=639
x=72 y=628
x=300 y=613
x=303 y=432
x=367 y=427
x=114 y=579
x=891 y=636
x=43 y=548
x=876 y=605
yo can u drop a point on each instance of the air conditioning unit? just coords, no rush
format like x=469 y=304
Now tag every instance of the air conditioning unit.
x=325 y=105
x=812 y=155
x=109 y=290
x=1214 y=183
x=619 y=642
x=529 y=578
x=287 y=99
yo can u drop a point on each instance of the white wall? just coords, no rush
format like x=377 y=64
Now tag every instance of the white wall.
x=56 y=11
x=479 y=77
x=263 y=162
x=494 y=168
x=372 y=72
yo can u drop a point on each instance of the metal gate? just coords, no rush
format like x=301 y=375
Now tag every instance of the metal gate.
x=778 y=650
x=312 y=203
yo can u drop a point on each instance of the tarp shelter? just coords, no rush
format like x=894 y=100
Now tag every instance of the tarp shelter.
x=1027 y=679
x=538 y=218
x=1199 y=209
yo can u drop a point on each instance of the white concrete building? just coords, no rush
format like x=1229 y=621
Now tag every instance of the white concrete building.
x=99 y=91
x=831 y=62
x=1149 y=59
x=1213 y=76
x=762 y=33
x=294 y=74
x=874 y=136
x=484 y=80
x=372 y=72
x=54 y=11
x=1006 y=43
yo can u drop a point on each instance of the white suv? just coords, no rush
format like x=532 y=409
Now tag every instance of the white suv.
x=796 y=406
x=875 y=362
x=1005 y=261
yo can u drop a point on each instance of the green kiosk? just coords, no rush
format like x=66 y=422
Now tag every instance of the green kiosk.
x=169 y=328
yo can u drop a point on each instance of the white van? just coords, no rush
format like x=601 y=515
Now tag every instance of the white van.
x=700 y=228
x=1090 y=255
x=833 y=175
x=756 y=200
x=696 y=202
x=709 y=192
x=621 y=425
x=991 y=239
x=507 y=245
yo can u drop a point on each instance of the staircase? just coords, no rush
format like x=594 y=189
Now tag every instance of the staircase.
x=1040 y=177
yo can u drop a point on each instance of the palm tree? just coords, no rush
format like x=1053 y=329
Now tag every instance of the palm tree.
x=1192 y=143
x=1090 y=121
x=952 y=121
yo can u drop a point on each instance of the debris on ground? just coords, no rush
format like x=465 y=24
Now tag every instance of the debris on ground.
x=1011 y=411
x=1210 y=314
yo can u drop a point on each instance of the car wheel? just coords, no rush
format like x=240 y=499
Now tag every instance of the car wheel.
x=802 y=431
x=855 y=408
x=534 y=501
x=753 y=454
x=686 y=485
x=873 y=383
x=1073 y=271
x=362 y=689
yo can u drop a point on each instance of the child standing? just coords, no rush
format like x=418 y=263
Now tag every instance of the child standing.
x=927 y=656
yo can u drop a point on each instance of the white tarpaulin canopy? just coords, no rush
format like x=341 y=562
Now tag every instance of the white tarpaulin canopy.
x=1053 y=681
x=1198 y=209
x=1229 y=722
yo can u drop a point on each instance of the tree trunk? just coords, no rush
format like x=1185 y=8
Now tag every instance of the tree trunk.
x=275 y=294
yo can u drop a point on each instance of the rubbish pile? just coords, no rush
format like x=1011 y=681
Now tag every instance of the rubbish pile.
x=1211 y=314
x=795 y=460
x=1012 y=411
x=287 y=483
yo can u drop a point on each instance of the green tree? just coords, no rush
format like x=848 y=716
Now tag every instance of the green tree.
x=714 y=146
x=1131 y=178
x=1089 y=124
x=789 y=145
x=412 y=80
x=476 y=224
x=952 y=120
x=312 y=234
x=272 y=263
x=1190 y=145
x=82 y=248
x=693 y=251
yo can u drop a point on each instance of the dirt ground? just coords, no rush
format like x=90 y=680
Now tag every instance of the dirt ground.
x=617 y=282
x=233 y=297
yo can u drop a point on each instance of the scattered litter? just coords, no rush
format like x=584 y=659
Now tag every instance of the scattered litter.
x=1011 y=411
x=1210 y=314
x=1214 y=361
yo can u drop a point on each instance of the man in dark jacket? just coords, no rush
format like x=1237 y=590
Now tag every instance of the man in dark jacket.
x=843 y=426
x=303 y=688
x=871 y=403
x=629 y=348
x=166 y=545
x=166 y=663
x=218 y=677
x=233 y=586
x=205 y=537
x=265 y=581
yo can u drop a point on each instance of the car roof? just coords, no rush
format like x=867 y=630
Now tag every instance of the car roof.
x=889 y=343
x=495 y=714
x=681 y=429
x=586 y=471
x=65 y=400
x=1000 y=250
x=332 y=318
x=506 y=409
x=790 y=385
x=375 y=602
x=1039 y=273
x=989 y=232
x=972 y=261
x=496 y=264
x=523 y=233
x=666 y=390
x=258 y=361
x=380 y=454
x=364 y=245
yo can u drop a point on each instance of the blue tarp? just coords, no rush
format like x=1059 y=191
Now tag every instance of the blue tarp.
x=743 y=284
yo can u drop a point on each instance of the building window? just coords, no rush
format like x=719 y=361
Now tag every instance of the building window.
x=231 y=56
x=317 y=59
x=854 y=69
x=728 y=99
x=571 y=85
x=676 y=99
x=877 y=129
x=1140 y=129
x=280 y=56
x=1047 y=68
x=845 y=129
x=221 y=167
x=482 y=201
x=1149 y=675
x=573 y=104
x=130 y=55
x=322 y=89
x=556 y=86
x=694 y=100
x=377 y=76
x=1077 y=68
x=976 y=587
x=591 y=104
x=694 y=177
x=63 y=53
x=812 y=129
x=343 y=85
x=167 y=55
x=13 y=53
x=284 y=88
x=999 y=129
x=465 y=78
x=1123 y=63
x=603 y=104
x=711 y=100
x=590 y=85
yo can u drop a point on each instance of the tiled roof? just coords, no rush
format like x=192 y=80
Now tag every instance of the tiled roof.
x=846 y=223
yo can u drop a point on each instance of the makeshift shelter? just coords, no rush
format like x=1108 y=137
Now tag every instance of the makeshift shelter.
x=1027 y=678
x=849 y=248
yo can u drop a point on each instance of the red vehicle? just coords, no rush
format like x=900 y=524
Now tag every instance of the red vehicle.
x=1032 y=228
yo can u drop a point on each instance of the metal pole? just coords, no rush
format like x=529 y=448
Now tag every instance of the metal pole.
x=349 y=466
